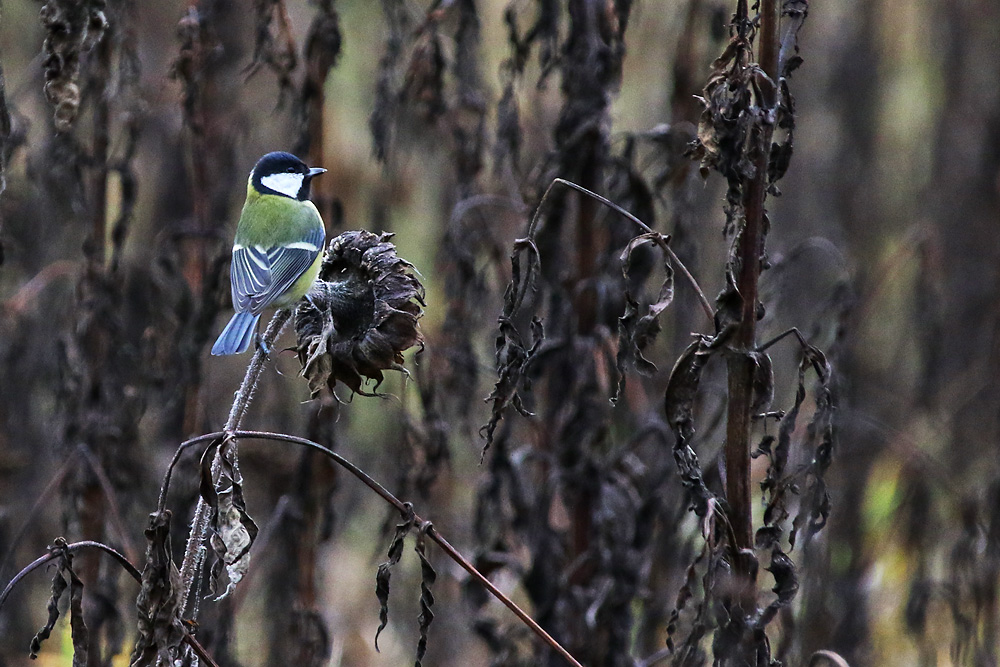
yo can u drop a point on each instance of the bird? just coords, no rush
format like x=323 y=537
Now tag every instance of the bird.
x=278 y=247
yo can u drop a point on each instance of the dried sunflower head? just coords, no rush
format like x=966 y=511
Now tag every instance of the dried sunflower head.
x=361 y=314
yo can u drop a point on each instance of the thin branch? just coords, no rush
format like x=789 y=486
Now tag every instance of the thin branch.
x=402 y=508
x=833 y=658
x=454 y=554
x=122 y=560
x=706 y=306
x=75 y=546
x=184 y=446
x=370 y=482
x=782 y=336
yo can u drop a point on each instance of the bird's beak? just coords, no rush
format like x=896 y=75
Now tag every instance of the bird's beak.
x=315 y=171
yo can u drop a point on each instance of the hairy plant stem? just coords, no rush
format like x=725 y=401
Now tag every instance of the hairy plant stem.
x=740 y=364
x=194 y=550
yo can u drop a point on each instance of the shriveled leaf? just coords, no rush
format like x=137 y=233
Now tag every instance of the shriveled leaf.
x=512 y=359
x=678 y=400
x=763 y=383
x=233 y=530
x=635 y=333
x=427 y=578
x=64 y=578
x=820 y=439
x=274 y=46
x=78 y=627
x=777 y=483
x=72 y=28
x=422 y=90
x=520 y=285
x=384 y=572
x=513 y=362
x=794 y=13
x=59 y=586
x=682 y=387
x=786 y=585
x=234 y=533
x=160 y=632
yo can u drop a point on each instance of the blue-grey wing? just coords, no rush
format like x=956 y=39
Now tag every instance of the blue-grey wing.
x=260 y=275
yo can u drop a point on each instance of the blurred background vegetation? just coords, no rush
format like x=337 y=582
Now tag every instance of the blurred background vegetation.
x=115 y=235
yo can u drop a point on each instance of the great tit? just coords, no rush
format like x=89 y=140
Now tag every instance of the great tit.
x=278 y=247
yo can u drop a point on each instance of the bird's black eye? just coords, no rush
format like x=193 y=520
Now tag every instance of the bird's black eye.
x=290 y=170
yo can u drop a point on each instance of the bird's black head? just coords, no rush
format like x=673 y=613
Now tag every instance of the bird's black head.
x=284 y=175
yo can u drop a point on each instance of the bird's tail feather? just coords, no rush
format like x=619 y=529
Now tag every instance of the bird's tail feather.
x=236 y=337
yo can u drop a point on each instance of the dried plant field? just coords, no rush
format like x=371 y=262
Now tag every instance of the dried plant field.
x=648 y=333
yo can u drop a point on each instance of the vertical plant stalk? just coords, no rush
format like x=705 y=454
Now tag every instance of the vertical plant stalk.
x=97 y=251
x=322 y=50
x=96 y=341
x=199 y=87
x=741 y=365
x=194 y=550
x=5 y=133
x=198 y=84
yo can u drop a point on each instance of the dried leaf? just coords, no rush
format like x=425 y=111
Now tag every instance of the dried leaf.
x=786 y=585
x=383 y=117
x=58 y=587
x=513 y=362
x=78 y=627
x=820 y=440
x=160 y=632
x=72 y=28
x=682 y=387
x=274 y=51
x=233 y=530
x=737 y=100
x=679 y=397
x=636 y=333
x=384 y=571
x=233 y=536
x=423 y=84
x=427 y=578
x=763 y=383
x=64 y=578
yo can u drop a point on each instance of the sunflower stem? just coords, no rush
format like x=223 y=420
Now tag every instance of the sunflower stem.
x=194 y=550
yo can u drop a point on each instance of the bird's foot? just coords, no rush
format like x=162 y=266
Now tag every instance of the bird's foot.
x=261 y=345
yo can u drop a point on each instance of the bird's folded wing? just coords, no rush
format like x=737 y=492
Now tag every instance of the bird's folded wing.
x=260 y=275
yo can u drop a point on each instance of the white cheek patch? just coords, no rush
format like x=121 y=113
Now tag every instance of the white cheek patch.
x=285 y=183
